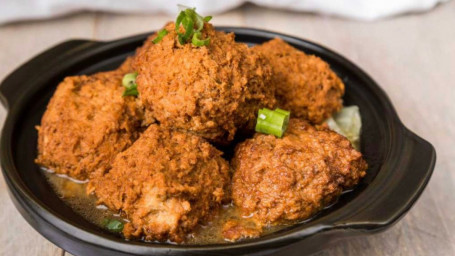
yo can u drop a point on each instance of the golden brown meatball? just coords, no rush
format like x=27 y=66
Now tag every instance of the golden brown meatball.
x=166 y=182
x=292 y=178
x=87 y=122
x=305 y=84
x=210 y=91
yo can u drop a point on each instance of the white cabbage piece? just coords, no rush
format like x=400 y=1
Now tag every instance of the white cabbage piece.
x=348 y=123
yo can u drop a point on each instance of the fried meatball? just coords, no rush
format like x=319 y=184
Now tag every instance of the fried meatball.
x=166 y=182
x=305 y=84
x=291 y=178
x=87 y=122
x=210 y=91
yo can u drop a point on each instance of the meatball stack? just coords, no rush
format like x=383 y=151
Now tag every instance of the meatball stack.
x=151 y=156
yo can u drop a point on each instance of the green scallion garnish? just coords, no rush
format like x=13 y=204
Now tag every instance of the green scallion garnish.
x=274 y=122
x=113 y=225
x=188 y=25
x=197 y=41
x=160 y=36
x=129 y=82
x=282 y=111
x=193 y=23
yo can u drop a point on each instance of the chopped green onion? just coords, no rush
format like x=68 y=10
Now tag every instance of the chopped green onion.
x=160 y=36
x=196 y=18
x=129 y=79
x=113 y=225
x=130 y=92
x=179 y=20
x=181 y=40
x=188 y=24
x=282 y=111
x=193 y=23
x=274 y=122
x=129 y=82
x=197 y=41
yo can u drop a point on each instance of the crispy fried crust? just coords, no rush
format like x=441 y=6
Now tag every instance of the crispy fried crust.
x=87 y=122
x=293 y=177
x=209 y=91
x=166 y=182
x=237 y=229
x=305 y=84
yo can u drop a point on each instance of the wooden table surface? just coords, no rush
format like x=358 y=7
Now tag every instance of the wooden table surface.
x=412 y=57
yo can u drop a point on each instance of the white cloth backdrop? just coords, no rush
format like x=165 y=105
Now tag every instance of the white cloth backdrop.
x=367 y=10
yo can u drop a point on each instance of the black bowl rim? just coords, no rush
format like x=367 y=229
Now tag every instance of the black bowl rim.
x=354 y=222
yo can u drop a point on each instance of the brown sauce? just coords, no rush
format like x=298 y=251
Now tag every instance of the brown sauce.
x=73 y=193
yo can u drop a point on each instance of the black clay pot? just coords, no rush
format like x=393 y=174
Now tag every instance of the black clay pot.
x=400 y=163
